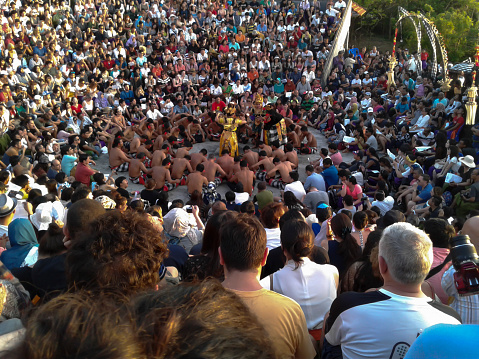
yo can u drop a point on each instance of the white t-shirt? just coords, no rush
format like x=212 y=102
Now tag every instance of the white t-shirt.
x=384 y=206
x=422 y=121
x=297 y=188
x=311 y=285
x=273 y=238
x=382 y=324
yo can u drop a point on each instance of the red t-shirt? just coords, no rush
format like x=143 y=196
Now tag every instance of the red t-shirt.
x=218 y=106
x=83 y=174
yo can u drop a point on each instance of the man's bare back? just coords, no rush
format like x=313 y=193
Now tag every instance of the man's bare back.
x=267 y=164
x=179 y=166
x=267 y=149
x=292 y=157
x=226 y=162
x=279 y=153
x=197 y=158
x=158 y=157
x=211 y=168
x=195 y=182
x=134 y=145
x=161 y=174
x=246 y=177
x=284 y=168
x=251 y=157
x=117 y=157
x=182 y=152
x=136 y=167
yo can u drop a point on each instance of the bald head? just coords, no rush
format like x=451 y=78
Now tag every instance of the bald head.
x=471 y=228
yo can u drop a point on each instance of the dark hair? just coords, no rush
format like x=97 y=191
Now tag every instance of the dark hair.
x=291 y=215
x=271 y=214
x=439 y=231
x=348 y=200
x=66 y=194
x=290 y=200
x=349 y=249
x=230 y=196
x=21 y=181
x=294 y=176
x=54 y=329
x=224 y=328
x=80 y=214
x=243 y=243
x=323 y=214
x=297 y=239
x=52 y=186
x=119 y=180
x=80 y=193
x=360 y=220
x=137 y=205
x=247 y=207
x=379 y=196
x=365 y=277
x=261 y=186
x=51 y=244
x=121 y=251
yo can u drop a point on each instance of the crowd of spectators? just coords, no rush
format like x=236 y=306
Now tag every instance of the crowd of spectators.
x=90 y=269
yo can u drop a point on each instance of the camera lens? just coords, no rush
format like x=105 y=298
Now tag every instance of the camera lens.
x=462 y=250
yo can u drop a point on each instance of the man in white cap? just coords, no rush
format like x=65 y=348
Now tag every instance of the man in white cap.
x=8 y=206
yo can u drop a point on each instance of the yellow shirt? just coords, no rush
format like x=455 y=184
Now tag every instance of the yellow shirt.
x=283 y=320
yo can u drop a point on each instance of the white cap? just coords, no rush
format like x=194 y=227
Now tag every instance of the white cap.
x=370 y=110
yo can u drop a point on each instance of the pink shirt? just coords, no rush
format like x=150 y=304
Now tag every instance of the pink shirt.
x=435 y=281
x=337 y=158
x=356 y=193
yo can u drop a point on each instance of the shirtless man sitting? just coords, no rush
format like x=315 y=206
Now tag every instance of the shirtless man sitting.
x=160 y=155
x=196 y=181
x=277 y=151
x=198 y=157
x=162 y=177
x=145 y=148
x=137 y=170
x=135 y=144
x=250 y=156
x=266 y=148
x=119 y=161
x=180 y=165
x=244 y=176
x=311 y=146
x=195 y=132
x=291 y=154
x=262 y=167
x=226 y=162
x=293 y=137
x=284 y=168
x=213 y=171
x=184 y=151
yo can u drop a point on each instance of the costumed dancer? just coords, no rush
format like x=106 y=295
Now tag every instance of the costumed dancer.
x=229 y=140
x=274 y=126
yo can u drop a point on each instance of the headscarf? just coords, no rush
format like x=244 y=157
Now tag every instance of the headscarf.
x=22 y=240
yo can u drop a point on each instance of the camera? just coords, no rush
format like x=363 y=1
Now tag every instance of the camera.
x=189 y=209
x=466 y=263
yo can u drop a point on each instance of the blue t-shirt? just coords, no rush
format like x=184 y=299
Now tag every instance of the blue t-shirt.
x=443 y=341
x=68 y=162
x=315 y=180
x=425 y=193
x=330 y=176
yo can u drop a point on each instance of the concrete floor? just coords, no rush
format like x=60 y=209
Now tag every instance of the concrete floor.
x=213 y=147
